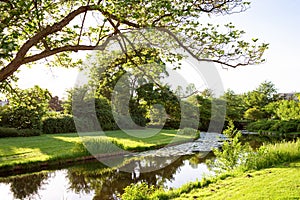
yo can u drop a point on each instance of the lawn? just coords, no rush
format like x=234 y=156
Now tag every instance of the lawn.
x=282 y=182
x=53 y=147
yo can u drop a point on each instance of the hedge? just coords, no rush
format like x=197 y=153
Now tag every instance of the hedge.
x=13 y=132
x=59 y=123
x=275 y=125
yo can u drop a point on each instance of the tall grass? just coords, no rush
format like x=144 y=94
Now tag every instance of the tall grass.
x=266 y=156
x=241 y=157
x=272 y=154
x=101 y=145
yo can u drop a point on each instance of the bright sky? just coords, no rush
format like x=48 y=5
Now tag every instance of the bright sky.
x=272 y=21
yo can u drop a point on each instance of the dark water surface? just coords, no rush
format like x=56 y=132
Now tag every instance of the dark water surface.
x=93 y=180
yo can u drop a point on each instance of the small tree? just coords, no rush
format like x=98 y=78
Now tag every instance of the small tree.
x=27 y=107
x=254 y=114
x=230 y=132
x=233 y=152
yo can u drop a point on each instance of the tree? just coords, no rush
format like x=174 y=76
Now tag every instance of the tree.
x=264 y=94
x=234 y=106
x=204 y=104
x=136 y=68
x=55 y=104
x=258 y=102
x=288 y=110
x=39 y=29
x=27 y=107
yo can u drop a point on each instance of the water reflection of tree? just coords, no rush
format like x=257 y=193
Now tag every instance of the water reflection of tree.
x=26 y=185
x=195 y=160
x=108 y=183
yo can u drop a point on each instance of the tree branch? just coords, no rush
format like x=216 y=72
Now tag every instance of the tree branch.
x=76 y=48
x=82 y=24
x=9 y=69
x=196 y=57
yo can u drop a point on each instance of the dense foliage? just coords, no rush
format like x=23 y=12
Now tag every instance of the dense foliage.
x=34 y=30
x=26 y=108
x=277 y=126
x=58 y=123
x=13 y=132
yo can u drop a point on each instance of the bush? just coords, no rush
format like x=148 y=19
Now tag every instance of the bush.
x=254 y=114
x=8 y=132
x=13 y=132
x=274 y=125
x=230 y=130
x=288 y=127
x=139 y=191
x=171 y=124
x=298 y=128
x=232 y=155
x=29 y=132
x=264 y=125
x=101 y=145
x=141 y=121
x=58 y=123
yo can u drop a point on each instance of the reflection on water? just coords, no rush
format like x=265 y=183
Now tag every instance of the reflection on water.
x=93 y=180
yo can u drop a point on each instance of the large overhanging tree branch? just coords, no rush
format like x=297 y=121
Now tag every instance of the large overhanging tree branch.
x=34 y=30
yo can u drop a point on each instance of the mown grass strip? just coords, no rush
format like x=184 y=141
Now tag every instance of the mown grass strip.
x=57 y=147
x=281 y=182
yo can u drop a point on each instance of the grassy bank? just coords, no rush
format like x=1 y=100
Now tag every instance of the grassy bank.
x=270 y=172
x=280 y=182
x=16 y=152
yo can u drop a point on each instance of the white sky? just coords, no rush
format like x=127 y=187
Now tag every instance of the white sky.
x=272 y=21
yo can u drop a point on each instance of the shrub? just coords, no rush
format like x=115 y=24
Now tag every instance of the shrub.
x=8 y=132
x=261 y=125
x=288 y=127
x=13 y=132
x=172 y=124
x=254 y=114
x=101 y=145
x=141 y=121
x=298 y=128
x=233 y=152
x=58 y=123
x=29 y=132
x=84 y=111
x=230 y=131
x=140 y=191
x=275 y=125
x=232 y=155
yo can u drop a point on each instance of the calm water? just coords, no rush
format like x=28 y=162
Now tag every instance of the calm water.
x=93 y=180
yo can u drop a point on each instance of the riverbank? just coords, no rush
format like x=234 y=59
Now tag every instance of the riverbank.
x=280 y=182
x=19 y=154
x=270 y=172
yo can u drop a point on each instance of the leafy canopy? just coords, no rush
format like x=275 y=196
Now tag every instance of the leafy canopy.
x=35 y=30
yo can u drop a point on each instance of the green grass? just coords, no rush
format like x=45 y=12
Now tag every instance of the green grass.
x=282 y=182
x=272 y=154
x=53 y=147
x=270 y=172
